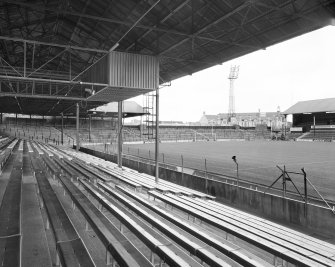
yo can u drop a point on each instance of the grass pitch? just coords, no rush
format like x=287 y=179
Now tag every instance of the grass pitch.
x=257 y=160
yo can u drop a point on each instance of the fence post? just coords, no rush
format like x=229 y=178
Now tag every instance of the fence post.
x=284 y=181
x=163 y=158
x=305 y=189
x=182 y=167
x=138 y=160
x=149 y=155
x=206 y=181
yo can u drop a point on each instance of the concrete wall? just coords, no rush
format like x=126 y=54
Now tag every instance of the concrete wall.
x=283 y=210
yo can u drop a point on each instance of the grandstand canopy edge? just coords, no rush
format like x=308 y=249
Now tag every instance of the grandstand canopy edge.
x=47 y=53
x=318 y=112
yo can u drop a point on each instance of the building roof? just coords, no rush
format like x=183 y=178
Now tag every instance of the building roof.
x=130 y=109
x=211 y=117
x=47 y=45
x=250 y=114
x=312 y=106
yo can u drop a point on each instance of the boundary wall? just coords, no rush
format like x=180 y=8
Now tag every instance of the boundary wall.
x=291 y=212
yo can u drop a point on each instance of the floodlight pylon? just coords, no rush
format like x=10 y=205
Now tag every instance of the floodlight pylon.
x=233 y=75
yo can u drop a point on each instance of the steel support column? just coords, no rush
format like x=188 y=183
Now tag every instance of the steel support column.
x=157 y=137
x=119 y=139
x=89 y=127
x=24 y=59
x=62 y=130
x=314 y=126
x=77 y=127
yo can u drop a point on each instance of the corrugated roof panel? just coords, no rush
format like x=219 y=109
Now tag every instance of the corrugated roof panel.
x=312 y=106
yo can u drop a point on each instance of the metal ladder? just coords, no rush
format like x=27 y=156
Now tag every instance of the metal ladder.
x=149 y=108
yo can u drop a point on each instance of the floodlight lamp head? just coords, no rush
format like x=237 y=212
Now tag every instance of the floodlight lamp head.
x=233 y=158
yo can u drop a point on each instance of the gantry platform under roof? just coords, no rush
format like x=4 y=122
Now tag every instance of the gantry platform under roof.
x=45 y=45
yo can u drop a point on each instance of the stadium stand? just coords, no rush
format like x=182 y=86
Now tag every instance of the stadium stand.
x=166 y=250
x=124 y=252
x=169 y=134
x=239 y=255
x=10 y=226
x=62 y=63
x=293 y=253
x=47 y=134
x=93 y=184
x=315 y=117
x=322 y=134
x=71 y=251
x=34 y=241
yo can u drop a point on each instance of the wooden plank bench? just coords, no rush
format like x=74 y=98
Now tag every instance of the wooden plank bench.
x=83 y=173
x=20 y=145
x=65 y=168
x=51 y=166
x=12 y=144
x=71 y=250
x=30 y=149
x=164 y=248
x=173 y=188
x=199 y=249
x=94 y=171
x=147 y=184
x=300 y=246
x=46 y=150
x=35 y=250
x=10 y=229
x=117 y=245
x=128 y=182
x=179 y=188
x=278 y=248
x=319 y=246
x=232 y=251
x=37 y=148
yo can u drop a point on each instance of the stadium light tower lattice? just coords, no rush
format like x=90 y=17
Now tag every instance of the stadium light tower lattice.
x=234 y=70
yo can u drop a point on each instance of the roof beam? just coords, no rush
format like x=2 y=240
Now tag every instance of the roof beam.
x=141 y=26
x=227 y=15
x=41 y=80
x=36 y=96
x=161 y=21
x=86 y=49
x=87 y=16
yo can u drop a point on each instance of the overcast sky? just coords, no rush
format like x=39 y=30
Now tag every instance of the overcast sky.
x=302 y=68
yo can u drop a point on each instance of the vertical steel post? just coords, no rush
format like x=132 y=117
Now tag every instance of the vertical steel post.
x=284 y=181
x=314 y=126
x=206 y=176
x=157 y=137
x=89 y=127
x=237 y=175
x=77 y=127
x=305 y=189
x=24 y=59
x=119 y=139
x=62 y=129
x=138 y=160
x=182 y=167
x=70 y=70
